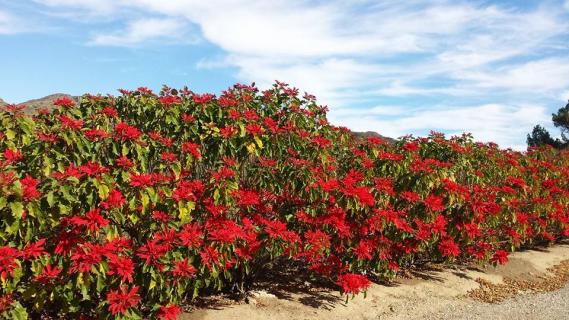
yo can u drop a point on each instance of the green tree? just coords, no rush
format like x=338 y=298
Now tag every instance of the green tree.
x=540 y=136
x=561 y=120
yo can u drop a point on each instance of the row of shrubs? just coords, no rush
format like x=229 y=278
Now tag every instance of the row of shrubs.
x=127 y=207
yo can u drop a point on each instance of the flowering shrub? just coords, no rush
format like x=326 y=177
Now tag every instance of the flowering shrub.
x=123 y=207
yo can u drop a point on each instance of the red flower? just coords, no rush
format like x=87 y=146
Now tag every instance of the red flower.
x=7 y=178
x=64 y=102
x=439 y=225
x=168 y=157
x=317 y=240
x=364 y=250
x=191 y=236
x=183 y=269
x=353 y=283
x=409 y=196
x=121 y=266
x=449 y=248
x=95 y=134
x=13 y=156
x=29 y=188
x=48 y=273
x=152 y=251
x=161 y=216
x=193 y=148
x=141 y=180
x=93 y=169
x=34 y=249
x=210 y=257
x=70 y=171
x=188 y=118
x=169 y=312
x=8 y=257
x=125 y=132
x=187 y=190
x=5 y=302
x=120 y=302
x=203 y=98
x=85 y=257
x=168 y=101
x=227 y=131
x=435 y=203
x=47 y=137
x=254 y=129
x=124 y=162
x=114 y=200
x=500 y=256
x=110 y=111
x=321 y=141
x=68 y=123
x=364 y=196
x=247 y=198
x=224 y=230
x=94 y=220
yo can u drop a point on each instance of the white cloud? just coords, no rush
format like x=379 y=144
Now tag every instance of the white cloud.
x=139 y=31
x=541 y=76
x=10 y=24
x=491 y=122
x=90 y=7
x=359 y=51
x=566 y=4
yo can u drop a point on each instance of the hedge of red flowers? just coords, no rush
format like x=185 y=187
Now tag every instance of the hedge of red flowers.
x=125 y=207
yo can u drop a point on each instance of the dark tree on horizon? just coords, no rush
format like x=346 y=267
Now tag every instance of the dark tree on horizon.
x=540 y=136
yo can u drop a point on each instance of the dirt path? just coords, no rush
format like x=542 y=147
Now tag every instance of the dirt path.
x=551 y=306
x=429 y=294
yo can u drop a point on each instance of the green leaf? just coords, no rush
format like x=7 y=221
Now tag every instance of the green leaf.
x=183 y=215
x=10 y=134
x=64 y=210
x=259 y=142
x=50 y=199
x=47 y=166
x=103 y=191
x=145 y=200
x=17 y=209
x=3 y=202
x=18 y=312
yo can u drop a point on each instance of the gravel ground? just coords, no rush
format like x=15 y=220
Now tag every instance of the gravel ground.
x=551 y=306
x=459 y=292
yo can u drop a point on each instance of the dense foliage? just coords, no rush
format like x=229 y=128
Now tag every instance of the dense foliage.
x=124 y=207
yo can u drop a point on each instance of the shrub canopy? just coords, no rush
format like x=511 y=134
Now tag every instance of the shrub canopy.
x=125 y=207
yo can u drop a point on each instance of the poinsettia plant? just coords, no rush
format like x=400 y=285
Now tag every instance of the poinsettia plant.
x=125 y=207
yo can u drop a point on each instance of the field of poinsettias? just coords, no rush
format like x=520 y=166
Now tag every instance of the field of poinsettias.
x=129 y=206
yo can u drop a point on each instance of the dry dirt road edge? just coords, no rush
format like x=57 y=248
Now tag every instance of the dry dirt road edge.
x=428 y=293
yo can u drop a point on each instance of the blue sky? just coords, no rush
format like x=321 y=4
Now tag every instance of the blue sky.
x=493 y=68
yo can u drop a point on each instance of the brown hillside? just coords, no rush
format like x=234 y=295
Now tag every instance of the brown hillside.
x=45 y=102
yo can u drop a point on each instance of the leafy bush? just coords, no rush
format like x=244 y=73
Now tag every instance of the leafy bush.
x=124 y=207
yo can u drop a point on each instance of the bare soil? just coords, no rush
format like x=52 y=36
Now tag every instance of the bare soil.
x=432 y=292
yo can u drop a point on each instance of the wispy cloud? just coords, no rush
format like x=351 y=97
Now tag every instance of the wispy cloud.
x=503 y=124
x=82 y=7
x=497 y=59
x=140 y=31
x=12 y=24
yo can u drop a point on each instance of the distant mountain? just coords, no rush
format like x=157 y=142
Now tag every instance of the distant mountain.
x=372 y=134
x=45 y=102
